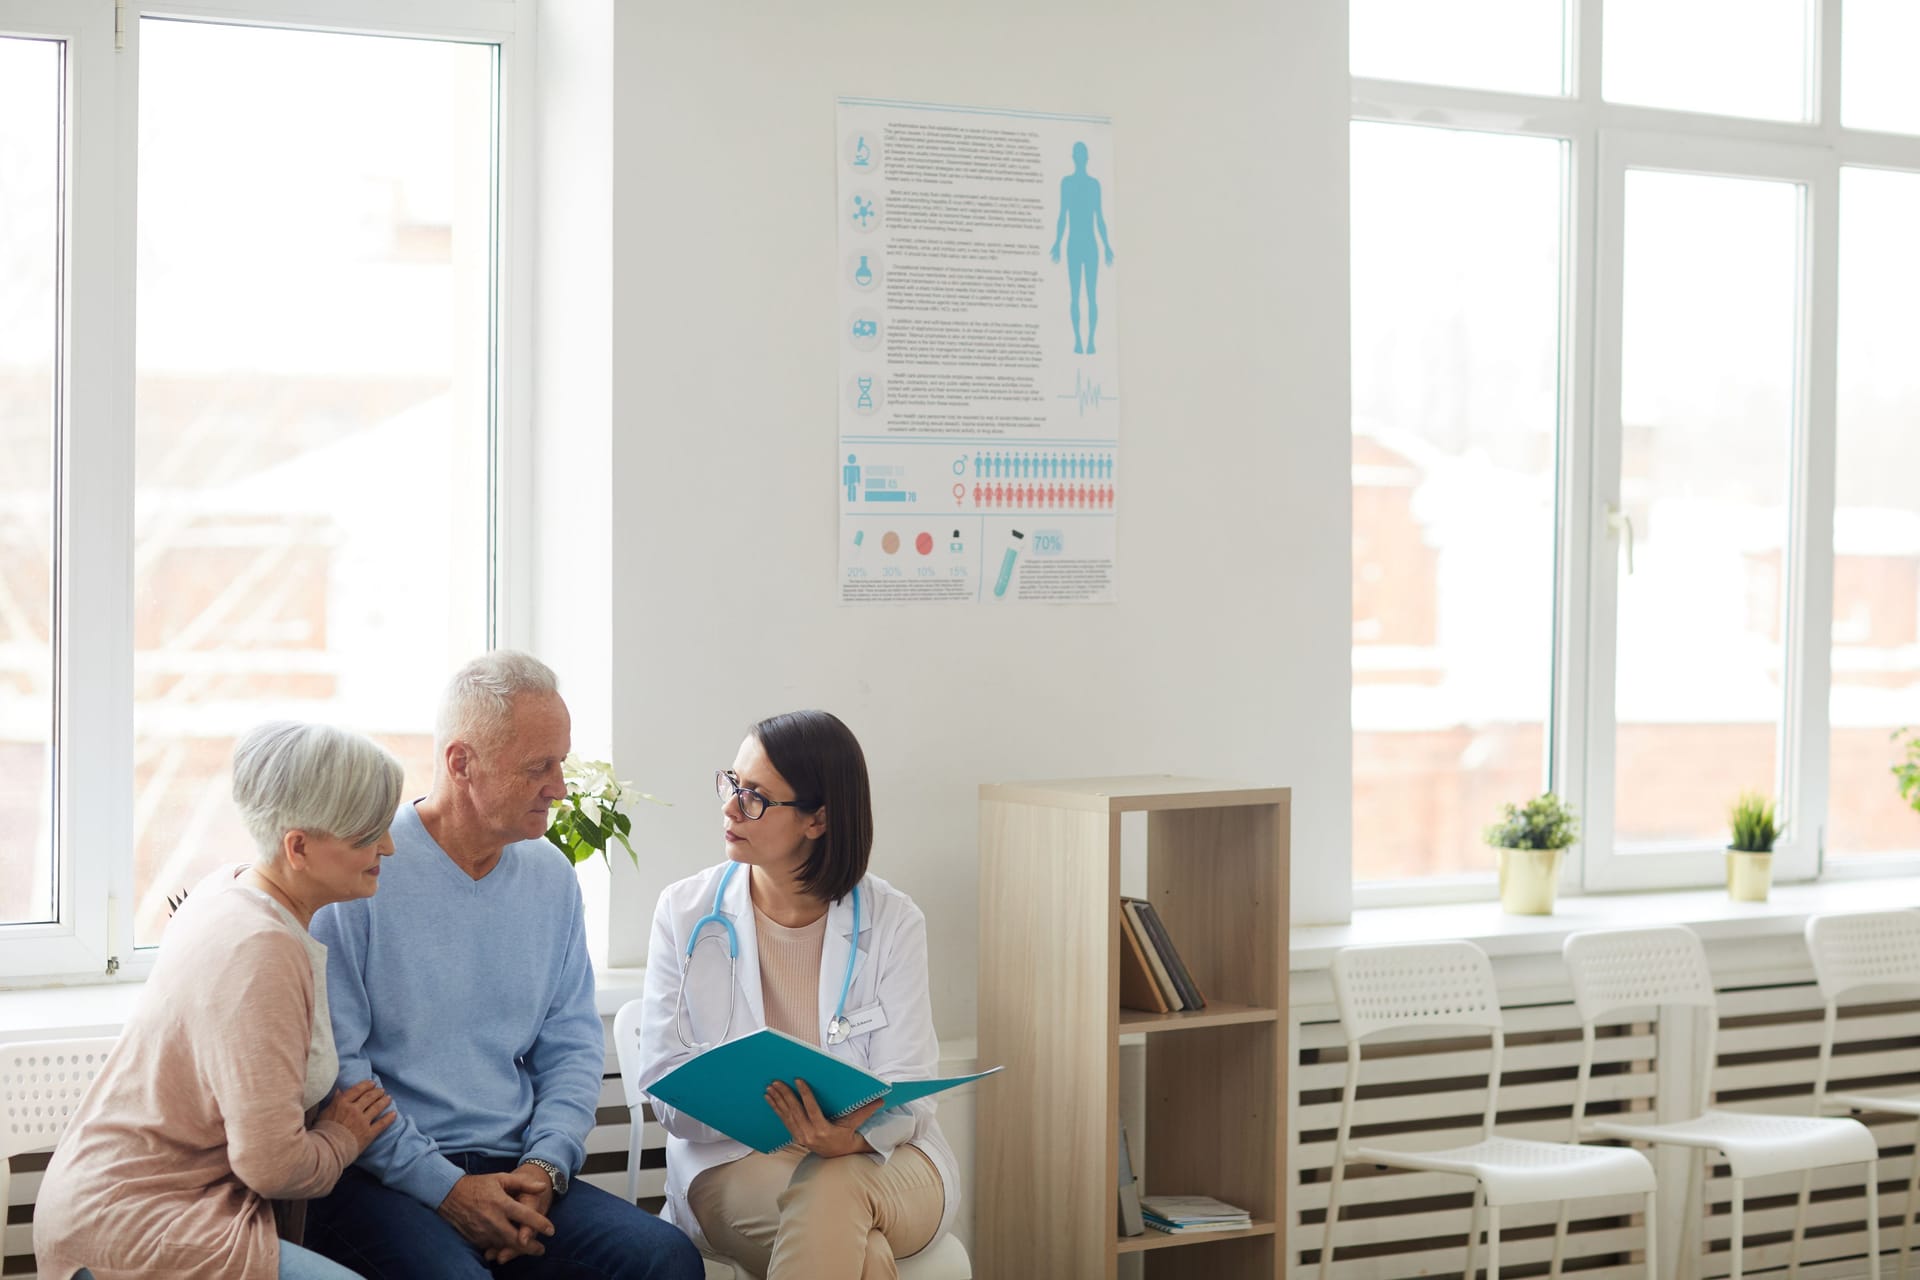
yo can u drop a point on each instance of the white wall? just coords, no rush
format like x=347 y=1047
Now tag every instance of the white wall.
x=1228 y=651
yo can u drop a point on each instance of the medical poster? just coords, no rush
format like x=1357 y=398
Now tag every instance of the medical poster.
x=978 y=324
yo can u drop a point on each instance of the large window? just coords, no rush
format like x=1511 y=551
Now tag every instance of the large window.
x=1456 y=360
x=310 y=427
x=1876 y=516
x=31 y=95
x=248 y=434
x=1633 y=432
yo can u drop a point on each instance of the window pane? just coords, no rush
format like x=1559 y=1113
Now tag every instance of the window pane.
x=1708 y=356
x=1516 y=46
x=1877 y=86
x=1876 y=519
x=312 y=406
x=30 y=94
x=1456 y=340
x=1724 y=57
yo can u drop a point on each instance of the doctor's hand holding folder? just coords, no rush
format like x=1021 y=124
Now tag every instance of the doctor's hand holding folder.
x=727 y=1086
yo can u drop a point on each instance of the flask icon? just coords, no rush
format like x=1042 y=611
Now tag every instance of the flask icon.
x=863 y=274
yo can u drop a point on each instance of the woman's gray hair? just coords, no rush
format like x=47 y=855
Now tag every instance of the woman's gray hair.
x=479 y=700
x=293 y=776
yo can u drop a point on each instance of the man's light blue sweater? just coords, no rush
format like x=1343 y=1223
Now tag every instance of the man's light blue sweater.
x=471 y=1002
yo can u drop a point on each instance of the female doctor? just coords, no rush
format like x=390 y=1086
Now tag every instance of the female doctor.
x=826 y=953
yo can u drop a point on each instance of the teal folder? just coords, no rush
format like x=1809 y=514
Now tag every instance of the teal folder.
x=726 y=1087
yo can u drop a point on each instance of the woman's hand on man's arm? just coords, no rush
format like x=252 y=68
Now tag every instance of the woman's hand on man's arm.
x=364 y=1110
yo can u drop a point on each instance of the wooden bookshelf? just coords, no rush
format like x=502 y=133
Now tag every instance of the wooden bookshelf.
x=1050 y=1010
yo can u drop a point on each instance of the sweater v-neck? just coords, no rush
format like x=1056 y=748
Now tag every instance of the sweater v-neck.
x=452 y=869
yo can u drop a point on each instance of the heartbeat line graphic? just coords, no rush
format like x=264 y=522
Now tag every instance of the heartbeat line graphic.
x=1088 y=393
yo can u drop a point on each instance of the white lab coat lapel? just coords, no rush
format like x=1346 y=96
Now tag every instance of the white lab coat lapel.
x=834 y=949
x=737 y=904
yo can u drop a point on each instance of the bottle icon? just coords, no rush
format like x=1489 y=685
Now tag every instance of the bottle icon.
x=863 y=274
x=1006 y=564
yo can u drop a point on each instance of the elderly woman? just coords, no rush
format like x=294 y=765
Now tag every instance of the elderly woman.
x=206 y=1109
x=831 y=955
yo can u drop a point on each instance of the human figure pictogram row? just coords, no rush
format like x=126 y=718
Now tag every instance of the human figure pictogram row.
x=1045 y=497
x=1042 y=466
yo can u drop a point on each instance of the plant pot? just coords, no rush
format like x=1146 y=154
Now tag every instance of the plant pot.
x=1749 y=875
x=1528 y=879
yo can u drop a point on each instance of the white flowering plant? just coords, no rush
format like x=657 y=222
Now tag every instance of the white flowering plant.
x=588 y=818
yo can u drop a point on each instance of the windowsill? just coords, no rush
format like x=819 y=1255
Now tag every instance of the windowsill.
x=1708 y=912
x=101 y=1009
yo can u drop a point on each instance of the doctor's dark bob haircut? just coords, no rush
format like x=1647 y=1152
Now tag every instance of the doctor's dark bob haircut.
x=822 y=761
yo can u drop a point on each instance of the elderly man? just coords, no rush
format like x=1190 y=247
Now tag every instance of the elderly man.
x=465 y=990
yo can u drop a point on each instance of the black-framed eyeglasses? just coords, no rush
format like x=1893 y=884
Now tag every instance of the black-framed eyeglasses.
x=752 y=803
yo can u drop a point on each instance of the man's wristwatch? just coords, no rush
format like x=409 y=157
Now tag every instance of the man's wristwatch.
x=552 y=1170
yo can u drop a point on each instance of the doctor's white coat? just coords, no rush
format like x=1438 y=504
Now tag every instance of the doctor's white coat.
x=890 y=973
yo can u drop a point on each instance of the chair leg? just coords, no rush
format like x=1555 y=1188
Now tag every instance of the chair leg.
x=1799 y=1224
x=1653 y=1238
x=1690 y=1233
x=1493 y=1242
x=1913 y=1189
x=1737 y=1247
x=1873 y=1220
x=1473 y=1232
x=1559 y=1242
x=1333 y=1212
x=633 y=1157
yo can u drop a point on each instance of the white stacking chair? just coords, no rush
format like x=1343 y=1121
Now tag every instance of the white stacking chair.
x=1619 y=970
x=945 y=1259
x=1450 y=984
x=41 y=1082
x=1853 y=954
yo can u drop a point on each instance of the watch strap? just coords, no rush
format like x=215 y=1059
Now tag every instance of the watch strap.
x=553 y=1171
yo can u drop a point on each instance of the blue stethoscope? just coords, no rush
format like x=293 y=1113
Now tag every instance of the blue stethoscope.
x=838 y=1028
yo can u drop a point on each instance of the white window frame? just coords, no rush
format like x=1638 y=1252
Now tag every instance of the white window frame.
x=1604 y=139
x=1813 y=172
x=93 y=761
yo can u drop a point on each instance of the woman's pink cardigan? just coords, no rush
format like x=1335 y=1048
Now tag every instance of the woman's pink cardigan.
x=196 y=1121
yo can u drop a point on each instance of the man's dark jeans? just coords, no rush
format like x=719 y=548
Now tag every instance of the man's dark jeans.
x=388 y=1235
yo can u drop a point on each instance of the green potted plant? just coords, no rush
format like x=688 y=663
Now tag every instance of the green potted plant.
x=1907 y=773
x=1530 y=839
x=589 y=818
x=1750 y=855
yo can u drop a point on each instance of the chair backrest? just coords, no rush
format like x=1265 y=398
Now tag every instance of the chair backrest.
x=626 y=1047
x=1415 y=985
x=1859 y=949
x=1616 y=969
x=1422 y=984
x=41 y=1083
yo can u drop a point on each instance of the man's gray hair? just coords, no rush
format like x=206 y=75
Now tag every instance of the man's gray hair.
x=479 y=700
x=293 y=776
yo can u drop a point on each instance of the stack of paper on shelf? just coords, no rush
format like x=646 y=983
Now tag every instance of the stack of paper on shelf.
x=1179 y=1215
x=1152 y=974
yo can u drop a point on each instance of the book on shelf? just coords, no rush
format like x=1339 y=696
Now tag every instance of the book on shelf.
x=1131 y=1222
x=1156 y=963
x=1138 y=987
x=1178 y=975
x=1178 y=1215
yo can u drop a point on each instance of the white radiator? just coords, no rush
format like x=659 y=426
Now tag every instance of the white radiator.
x=1431 y=1093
